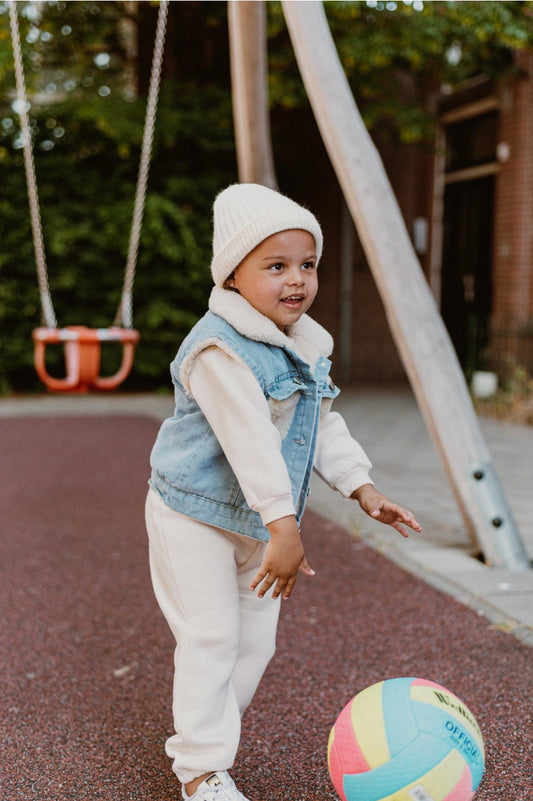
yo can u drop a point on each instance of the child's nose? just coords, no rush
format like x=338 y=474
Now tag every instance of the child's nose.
x=295 y=276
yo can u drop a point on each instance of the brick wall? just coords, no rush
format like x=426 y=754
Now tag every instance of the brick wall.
x=304 y=172
x=512 y=311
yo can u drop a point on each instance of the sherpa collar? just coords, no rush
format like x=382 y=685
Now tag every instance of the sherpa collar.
x=307 y=338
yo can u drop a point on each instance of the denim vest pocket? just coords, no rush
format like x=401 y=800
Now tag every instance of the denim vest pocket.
x=329 y=390
x=283 y=396
x=284 y=387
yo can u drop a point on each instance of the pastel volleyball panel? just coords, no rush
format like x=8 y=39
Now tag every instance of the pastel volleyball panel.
x=406 y=739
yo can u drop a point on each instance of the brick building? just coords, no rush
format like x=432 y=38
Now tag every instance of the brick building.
x=468 y=204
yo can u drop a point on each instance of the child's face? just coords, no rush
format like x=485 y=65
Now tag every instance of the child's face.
x=279 y=277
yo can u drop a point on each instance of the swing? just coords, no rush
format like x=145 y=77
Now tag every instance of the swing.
x=82 y=345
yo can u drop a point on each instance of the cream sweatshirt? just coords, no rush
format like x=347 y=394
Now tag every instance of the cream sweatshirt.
x=250 y=430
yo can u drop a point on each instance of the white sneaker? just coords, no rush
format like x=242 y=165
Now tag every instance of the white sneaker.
x=217 y=787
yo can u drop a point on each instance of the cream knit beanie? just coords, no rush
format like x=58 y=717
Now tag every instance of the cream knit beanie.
x=245 y=215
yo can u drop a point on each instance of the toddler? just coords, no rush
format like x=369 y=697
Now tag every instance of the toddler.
x=231 y=470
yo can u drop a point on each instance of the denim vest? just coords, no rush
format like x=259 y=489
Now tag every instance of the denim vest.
x=189 y=468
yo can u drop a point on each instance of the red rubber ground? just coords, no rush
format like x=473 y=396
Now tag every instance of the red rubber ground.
x=86 y=658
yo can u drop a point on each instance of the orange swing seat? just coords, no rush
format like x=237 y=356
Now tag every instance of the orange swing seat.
x=82 y=348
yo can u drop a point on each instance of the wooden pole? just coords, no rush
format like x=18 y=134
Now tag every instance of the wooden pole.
x=248 y=54
x=420 y=334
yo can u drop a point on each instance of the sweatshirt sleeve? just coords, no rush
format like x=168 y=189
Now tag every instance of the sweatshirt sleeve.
x=339 y=459
x=233 y=403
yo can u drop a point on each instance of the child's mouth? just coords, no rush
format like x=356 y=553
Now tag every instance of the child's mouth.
x=293 y=301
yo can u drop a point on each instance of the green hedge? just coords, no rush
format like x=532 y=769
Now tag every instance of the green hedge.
x=86 y=185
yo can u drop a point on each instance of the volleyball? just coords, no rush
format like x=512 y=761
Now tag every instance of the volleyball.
x=406 y=739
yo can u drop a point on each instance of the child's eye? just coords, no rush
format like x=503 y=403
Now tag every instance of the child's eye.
x=308 y=265
x=278 y=267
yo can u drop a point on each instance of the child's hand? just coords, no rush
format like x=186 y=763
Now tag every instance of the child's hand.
x=284 y=556
x=380 y=508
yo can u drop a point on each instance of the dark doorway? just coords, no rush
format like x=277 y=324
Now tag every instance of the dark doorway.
x=467 y=267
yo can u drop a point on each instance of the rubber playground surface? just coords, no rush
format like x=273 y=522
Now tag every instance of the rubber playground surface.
x=86 y=657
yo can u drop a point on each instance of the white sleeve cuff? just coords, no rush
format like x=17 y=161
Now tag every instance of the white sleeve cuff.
x=352 y=481
x=282 y=506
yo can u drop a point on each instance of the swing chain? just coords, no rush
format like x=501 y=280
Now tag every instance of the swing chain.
x=49 y=317
x=124 y=312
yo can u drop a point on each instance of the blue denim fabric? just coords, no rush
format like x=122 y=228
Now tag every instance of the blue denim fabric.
x=189 y=468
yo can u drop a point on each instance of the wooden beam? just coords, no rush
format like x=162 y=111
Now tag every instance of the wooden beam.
x=473 y=173
x=469 y=110
x=423 y=342
x=249 y=83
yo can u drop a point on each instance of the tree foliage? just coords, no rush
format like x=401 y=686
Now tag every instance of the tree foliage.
x=87 y=89
x=396 y=54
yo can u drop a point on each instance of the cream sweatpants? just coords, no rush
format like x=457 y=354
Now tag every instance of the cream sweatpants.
x=225 y=635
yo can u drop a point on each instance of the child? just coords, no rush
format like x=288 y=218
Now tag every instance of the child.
x=231 y=470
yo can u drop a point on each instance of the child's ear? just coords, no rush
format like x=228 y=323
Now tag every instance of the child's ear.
x=229 y=283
